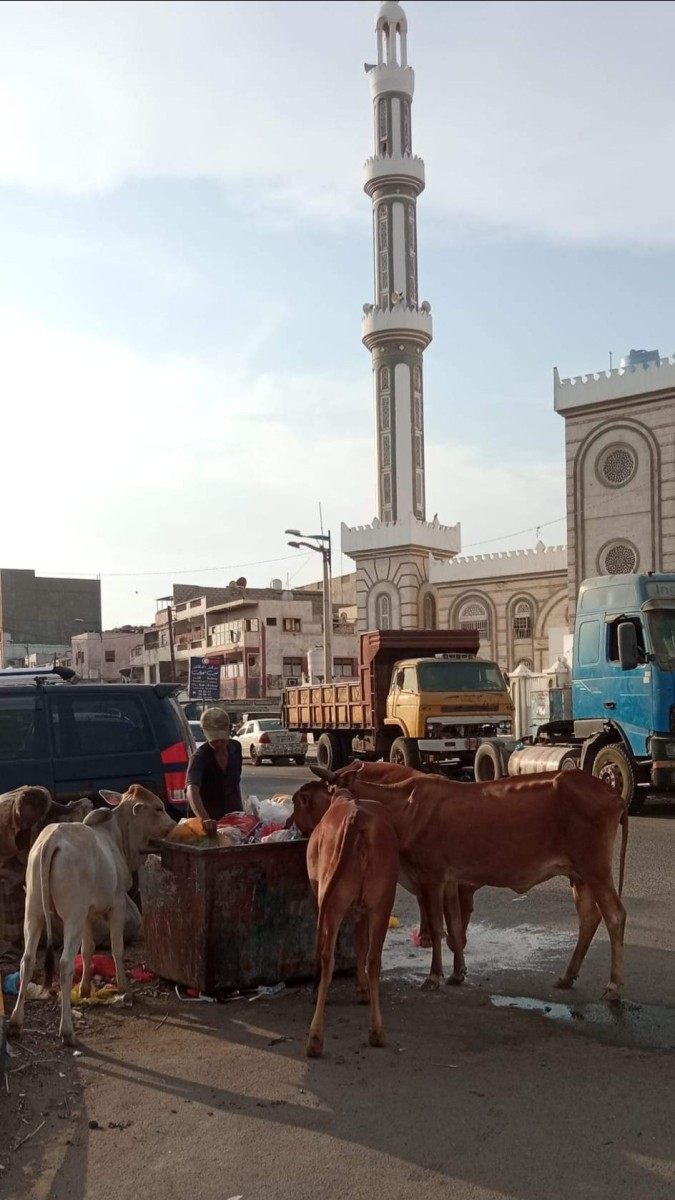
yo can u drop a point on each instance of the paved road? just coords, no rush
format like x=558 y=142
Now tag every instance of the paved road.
x=469 y=1101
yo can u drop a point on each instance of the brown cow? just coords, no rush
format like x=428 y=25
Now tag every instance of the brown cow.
x=513 y=833
x=352 y=862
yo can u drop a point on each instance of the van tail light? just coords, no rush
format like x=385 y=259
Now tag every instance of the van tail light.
x=303 y=738
x=264 y=739
x=174 y=761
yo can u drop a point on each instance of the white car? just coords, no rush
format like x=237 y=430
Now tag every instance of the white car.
x=197 y=733
x=267 y=738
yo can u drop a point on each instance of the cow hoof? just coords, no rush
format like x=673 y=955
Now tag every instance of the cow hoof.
x=425 y=941
x=69 y=1039
x=13 y=1029
x=564 y=984
x=314 y=1047
x=376 y=1037
x=456 y=980
x=612 y=994
x=431 y=984
x=362 y=996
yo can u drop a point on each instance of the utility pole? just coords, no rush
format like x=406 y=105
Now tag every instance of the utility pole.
x=172 y=653
x=321 y=543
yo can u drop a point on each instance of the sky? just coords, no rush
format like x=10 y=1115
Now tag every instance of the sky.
x=185 y=251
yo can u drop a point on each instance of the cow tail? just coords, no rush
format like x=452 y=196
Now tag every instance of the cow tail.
x=347 y=846
x=624 y=845
x=46 y=855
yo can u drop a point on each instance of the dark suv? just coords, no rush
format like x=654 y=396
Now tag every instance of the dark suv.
x=75 y=738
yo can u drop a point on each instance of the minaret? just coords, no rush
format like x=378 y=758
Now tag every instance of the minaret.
x=392 y=554
x=396 y=329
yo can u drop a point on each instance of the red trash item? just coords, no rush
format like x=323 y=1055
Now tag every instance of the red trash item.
x=416 y=937
x=101 y=964
x=140 y=976
x=239 y=820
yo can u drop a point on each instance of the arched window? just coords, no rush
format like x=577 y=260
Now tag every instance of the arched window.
x=522 y=620
x=383 y=611
x=474 y=615
x=429 y=611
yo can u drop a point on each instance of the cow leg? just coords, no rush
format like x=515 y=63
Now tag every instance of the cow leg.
x=425 y=932
x=589 y=919
x=614 y=915
x=378 y=926
x=72 y=941
x=453 y=920
x=117 y=913
x=361 y=947
x=88 y=947
x=433 y=899
x=329 y=925
x=32 y=932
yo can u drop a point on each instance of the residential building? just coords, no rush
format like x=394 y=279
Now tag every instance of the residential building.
x=105 y=656
x=39 y=615
x=265 y=638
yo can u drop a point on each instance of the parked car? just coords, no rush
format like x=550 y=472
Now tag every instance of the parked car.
x=268 y=739
x=196 y=732
x=75 y=738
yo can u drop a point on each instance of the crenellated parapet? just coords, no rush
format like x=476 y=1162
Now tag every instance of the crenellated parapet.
x=507 y=562
x=619 y=384
x=426 y=536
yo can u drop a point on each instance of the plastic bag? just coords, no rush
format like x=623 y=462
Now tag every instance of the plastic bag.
x=280 y=835
x=269 y=812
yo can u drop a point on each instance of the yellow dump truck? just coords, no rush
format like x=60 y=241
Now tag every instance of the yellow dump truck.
x=423 y=698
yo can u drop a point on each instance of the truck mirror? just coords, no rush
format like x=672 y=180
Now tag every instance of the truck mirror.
x=628 y=646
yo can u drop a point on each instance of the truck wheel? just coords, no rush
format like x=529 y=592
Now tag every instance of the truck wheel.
x=299 y=760
x=406 y=753
x=330 y=751
x=490 y=762
x=616 y=767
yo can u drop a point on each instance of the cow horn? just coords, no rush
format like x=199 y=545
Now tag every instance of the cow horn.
x=322 y=773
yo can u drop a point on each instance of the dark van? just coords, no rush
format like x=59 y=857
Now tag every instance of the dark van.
x=75 y=738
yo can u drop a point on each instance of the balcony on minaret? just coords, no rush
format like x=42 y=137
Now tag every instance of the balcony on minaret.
x=382 y=168
x=397 y=320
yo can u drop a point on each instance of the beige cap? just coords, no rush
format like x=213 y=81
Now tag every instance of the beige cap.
x=215 y=723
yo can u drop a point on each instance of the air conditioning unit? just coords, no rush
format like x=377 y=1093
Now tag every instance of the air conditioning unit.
x=292 y=682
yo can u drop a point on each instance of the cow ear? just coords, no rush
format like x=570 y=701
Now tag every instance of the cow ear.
x=111 y=798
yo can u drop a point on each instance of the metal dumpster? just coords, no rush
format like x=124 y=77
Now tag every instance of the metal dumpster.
x=220 y=920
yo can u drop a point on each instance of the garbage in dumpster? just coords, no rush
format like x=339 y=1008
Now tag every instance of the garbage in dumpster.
x=269 y=812
x=281 y=835
x=190 y=832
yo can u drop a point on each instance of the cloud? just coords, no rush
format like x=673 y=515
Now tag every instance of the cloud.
x=116 y=462
x=530 y=120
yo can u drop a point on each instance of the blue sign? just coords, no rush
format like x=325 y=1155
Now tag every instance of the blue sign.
x=204 y=679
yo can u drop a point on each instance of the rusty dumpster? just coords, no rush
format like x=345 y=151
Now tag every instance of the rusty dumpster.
x=225 y=919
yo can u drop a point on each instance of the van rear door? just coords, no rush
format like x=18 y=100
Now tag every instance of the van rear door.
x=25 y=756
x=102 y=738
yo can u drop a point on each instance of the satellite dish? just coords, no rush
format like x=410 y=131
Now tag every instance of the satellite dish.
x=241 y=582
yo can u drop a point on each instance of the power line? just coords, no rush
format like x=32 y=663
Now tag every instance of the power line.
x=261 y=562
x=516 y=533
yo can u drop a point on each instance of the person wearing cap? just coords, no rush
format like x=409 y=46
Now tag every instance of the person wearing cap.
x=214 y=771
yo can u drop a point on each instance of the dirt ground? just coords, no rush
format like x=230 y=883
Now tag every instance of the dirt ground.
x=468 y=1100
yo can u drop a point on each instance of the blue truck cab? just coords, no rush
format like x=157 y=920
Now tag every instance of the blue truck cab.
x=623 y=682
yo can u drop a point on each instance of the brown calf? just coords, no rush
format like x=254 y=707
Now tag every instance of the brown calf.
x=352 y=861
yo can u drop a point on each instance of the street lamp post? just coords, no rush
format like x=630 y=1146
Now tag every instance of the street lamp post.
x=321 y=543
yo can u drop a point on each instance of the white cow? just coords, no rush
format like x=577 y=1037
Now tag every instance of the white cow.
x=80 y=872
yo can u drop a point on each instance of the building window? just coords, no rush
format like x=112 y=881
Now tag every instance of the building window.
x=110 y=656
x=386 y=450
x=429 y=611
x=385 y=407
x=270 y=621
x=616 y=466
x=292 y=625
x=386 y=488
x=475 y=616
x=253 y=663
x=522 y=620
x=383 y=250
x=419 y=493
x=406 y=138
x=412 y=256
x=252 y=625
x=292 y=668
x=619 y=558
x=418 y=450
x=382 y=126
x=343 y=668
x=383 y=611
x=385 y=378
